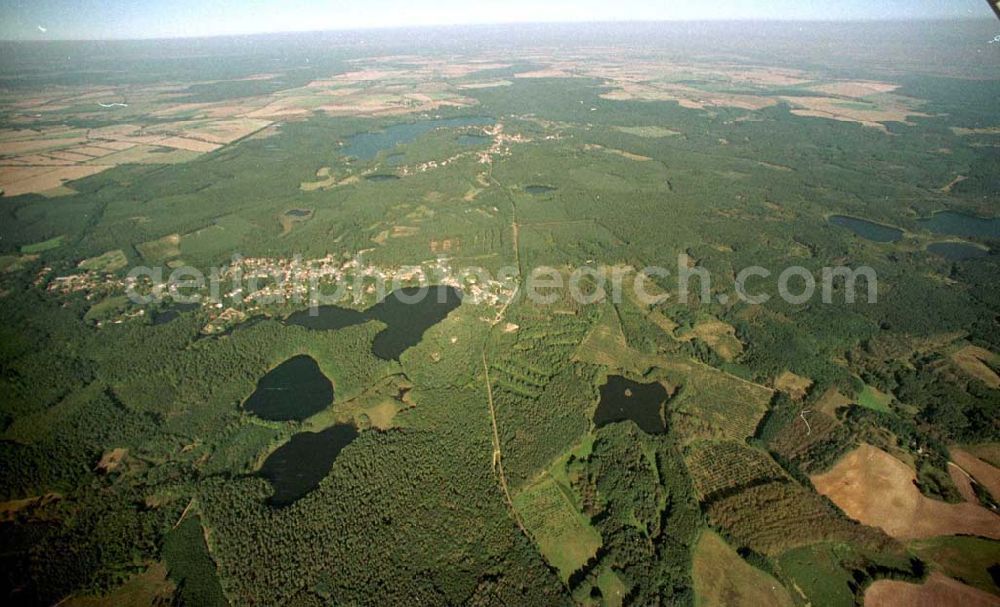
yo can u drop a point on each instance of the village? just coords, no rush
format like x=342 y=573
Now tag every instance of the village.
x=253 y=286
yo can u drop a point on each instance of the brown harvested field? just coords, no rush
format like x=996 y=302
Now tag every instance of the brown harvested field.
x=865 y=113
x=94 y=151
x=151 y=587
x=877 y=489
x=15 y=148
x=723 y=579
x=160 y=249
x=148 y=154
x=976 y=362
x=9 y=510
x=382 y=414
x=985 y=474
x=547 y=73
x=832 y=400
x=937 y=591
x=221 y=131
x=988 y=452
x=111 y=460
x=70 y=156
x=963 y=482
x=951 y=184
x=193 y=145
x=855 y=89
x=485 y=85
x=719 y=336
x=793 y=385
x=14 y=182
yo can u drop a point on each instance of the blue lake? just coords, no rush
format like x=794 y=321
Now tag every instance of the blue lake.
x=366 y=146
x=962 y=224
x=868 y=230
x=957 y=251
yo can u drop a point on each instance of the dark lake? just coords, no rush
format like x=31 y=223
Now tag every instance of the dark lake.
x=294 y=390
x=381 y=177
x=538 y=190
x=172 y=312
x=327 y=318
x=868 y=229
x=366 y=146
x=408 y=320
x=298 y=213
x=406 y=315
x=474 y=140
x=298 y=466
x=957 y=251
x=623 y=399
x=961 y=224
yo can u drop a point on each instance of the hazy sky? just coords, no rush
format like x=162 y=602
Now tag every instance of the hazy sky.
x=89 y=19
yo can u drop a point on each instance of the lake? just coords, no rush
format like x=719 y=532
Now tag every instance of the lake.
x=366 y=146
x=538 y=190
x=869 y=230
x=173 y=312
x=298 y=466
x=957 y=251
x=407 y=317
x=961 y=224
x=474 y=140
x=623 y=399
x=381 y=177
x=408 y=320
x=327 y=318
x=294 y=390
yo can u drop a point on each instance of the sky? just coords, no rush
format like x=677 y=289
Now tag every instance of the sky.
x=104 y=19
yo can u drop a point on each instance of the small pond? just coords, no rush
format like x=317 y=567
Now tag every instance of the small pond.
x=623 y=399
x=957 y=251
x=474 y=140
x=869 y=230
x=538 y=190
x=298 y=213
x=173 y=312
x=381 y=177
x=294 y=390
x=962 y=224
x=298 y=466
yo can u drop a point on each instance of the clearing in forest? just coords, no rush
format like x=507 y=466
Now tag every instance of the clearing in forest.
x=563 y=534
x=793 y=385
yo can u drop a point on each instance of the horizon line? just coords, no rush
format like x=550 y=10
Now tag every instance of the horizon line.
x=430 y=26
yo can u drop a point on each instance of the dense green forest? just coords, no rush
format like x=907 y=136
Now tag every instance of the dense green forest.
x=127 y=440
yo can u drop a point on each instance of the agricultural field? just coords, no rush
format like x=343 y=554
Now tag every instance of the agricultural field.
x=937 y=590
x=875 y=488
x=721 y=577
x=191 y=228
